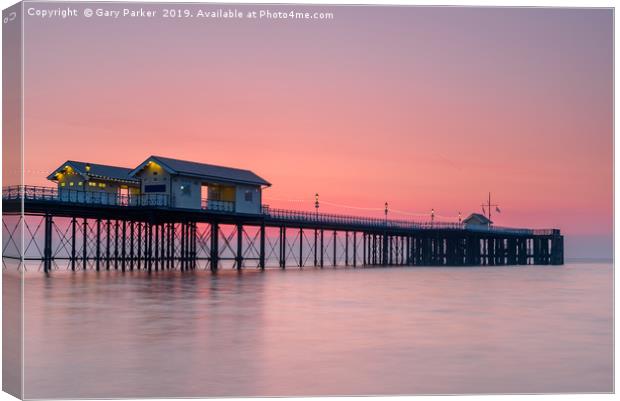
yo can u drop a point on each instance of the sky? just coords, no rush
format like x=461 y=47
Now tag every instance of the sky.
x=421 y=107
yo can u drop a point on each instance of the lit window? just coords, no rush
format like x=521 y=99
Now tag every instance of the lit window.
x=71 y=184
x=92 y=184
x=62 y=184
x=80 y=183
x=102 y=185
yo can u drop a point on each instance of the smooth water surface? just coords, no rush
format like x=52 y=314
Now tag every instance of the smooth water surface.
x=338 y=331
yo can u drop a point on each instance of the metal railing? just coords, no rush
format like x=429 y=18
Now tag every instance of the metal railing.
x=217 y=205
x=29 y=192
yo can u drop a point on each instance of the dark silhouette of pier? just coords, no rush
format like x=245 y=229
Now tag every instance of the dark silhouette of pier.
x=143 y=232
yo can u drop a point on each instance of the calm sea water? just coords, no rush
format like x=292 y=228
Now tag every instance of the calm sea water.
x=319 y=332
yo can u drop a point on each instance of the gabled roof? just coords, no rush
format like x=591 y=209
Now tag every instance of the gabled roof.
x=477 y=218
x=205 y=171
x=100 y=171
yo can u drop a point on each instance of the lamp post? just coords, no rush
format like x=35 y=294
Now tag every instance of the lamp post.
x=386 y=212
x=459 y=217
x=316 y=204
x=432 y=216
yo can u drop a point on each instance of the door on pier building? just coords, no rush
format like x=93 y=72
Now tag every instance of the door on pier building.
x=123 y=195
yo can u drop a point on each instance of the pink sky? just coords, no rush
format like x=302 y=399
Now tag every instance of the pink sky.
x=421 y=107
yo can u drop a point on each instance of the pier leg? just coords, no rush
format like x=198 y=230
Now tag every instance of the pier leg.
x=124 y=243
x=214 y=246
x=354 y=249
x=239 y=254
x=316 y=235
x=301 y=247
x=107 y=245
x=98 y=249
x=261 y=261
x=73 y=233
x=335 y=255
x=131 y=245
x=139 y=244
x=149 y=246
x=364 y=260
x=346 y=248
x=162 y=246
x=557 y=250
x=47 y=248
x=156 y=243
x=283 y=247
x=85 y=245
x=116 y=244
x=182 y=255
x=322 y=249
x=385 y=250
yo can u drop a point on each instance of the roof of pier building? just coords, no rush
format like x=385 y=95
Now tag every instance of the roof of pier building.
x=203 y=171
x=477 y=218
x=94 y=171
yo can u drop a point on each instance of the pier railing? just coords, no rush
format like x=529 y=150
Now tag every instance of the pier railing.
x=70 y=196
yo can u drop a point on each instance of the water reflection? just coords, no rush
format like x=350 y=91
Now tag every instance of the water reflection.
x=319 y=332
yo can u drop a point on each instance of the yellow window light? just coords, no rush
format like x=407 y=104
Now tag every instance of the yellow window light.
x=71 y=184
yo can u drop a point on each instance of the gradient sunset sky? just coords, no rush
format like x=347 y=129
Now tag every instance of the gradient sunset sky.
x=421 y=107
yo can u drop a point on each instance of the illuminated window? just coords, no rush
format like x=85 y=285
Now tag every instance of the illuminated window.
x=80 y=183
x=62 y=184
x=102 y=185
x=92 y=184
x=71 y=184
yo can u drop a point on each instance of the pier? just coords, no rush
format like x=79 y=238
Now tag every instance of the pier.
x=69 y=230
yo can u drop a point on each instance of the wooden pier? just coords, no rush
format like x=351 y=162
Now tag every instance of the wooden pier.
x=136 y=234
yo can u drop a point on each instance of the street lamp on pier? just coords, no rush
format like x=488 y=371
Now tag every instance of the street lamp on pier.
x=316 y=204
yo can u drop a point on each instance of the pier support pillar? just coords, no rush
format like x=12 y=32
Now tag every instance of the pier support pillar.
x=47 y=247
x=85 y=244
x=215 y=255
x=239 y=253
x=73 y=234
x=261 y=257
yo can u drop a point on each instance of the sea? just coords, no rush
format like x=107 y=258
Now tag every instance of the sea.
x=319 y=332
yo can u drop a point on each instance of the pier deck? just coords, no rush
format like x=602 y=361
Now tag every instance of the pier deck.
x=145 y=233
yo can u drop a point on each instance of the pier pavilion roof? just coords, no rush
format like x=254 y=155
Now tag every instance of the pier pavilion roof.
x=477 y=218
x=94 y=171
x=204 y=171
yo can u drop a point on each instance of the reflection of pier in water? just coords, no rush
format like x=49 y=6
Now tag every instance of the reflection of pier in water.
x=132 y=235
